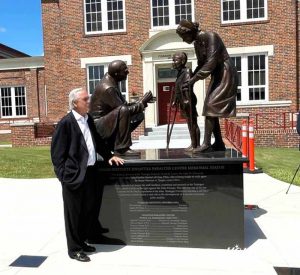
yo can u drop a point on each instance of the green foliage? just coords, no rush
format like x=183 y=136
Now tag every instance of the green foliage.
x=33 y=162
x=280 y=163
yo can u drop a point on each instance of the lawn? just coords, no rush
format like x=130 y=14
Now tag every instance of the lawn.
x=280 y=163
x=26 y=163
x=35 y=162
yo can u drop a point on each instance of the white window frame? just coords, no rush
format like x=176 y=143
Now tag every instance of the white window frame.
x=104 y=19
x=13 y=99
x=244 y=75
x=243 y=7
x=172 y=23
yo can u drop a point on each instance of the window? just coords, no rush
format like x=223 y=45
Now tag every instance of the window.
x=237 y=63
x=102 y=16
x=96 y=72
x=243 y=10
x=13 y=102
x=252 y=78
x=167 y=13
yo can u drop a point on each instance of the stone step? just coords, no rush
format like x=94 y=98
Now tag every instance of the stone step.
x=180 y=131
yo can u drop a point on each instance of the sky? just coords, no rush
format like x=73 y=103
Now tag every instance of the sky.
x=21 y=26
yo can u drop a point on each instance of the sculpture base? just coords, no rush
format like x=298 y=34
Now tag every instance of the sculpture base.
x=172 y=198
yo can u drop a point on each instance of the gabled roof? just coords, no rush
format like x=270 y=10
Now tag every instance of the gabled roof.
x=21 y=63
x=7 y=52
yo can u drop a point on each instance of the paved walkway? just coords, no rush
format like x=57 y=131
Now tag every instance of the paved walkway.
x=31 y=215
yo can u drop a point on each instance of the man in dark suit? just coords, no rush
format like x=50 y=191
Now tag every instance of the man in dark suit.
x=73 y=152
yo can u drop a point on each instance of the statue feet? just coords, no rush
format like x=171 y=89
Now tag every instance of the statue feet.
x=189 y=149
x=204 y=148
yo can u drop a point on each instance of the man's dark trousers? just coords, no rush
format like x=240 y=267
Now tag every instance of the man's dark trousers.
x=79 y=207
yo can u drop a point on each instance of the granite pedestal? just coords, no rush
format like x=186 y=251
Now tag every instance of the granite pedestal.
x=173 y=198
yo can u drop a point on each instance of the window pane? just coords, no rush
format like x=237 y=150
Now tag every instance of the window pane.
x=160 y=13
x=93 y=15
x=183 y=9
x=255 y=9
x=115 y=14
x=6 y=102
x=95 y=75
x=231 y=10
x=20 y=101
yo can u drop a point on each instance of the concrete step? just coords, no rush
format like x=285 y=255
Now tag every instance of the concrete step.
x=180 y=131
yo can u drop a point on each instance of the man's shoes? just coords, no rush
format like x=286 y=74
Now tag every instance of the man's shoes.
x=88 y=248
x=80 y=256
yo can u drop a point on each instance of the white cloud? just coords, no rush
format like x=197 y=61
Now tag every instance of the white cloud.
x=2 y=29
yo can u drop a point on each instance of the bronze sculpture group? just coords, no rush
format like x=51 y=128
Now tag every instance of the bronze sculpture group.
x=115 y=119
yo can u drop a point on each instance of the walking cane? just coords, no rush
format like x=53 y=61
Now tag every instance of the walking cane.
x=293 y=178
x=169 y=130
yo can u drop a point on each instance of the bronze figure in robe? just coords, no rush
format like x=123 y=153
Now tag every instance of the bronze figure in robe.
x=114 y=117
x=213 y=61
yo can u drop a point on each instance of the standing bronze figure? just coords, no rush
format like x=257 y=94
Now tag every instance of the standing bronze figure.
x=186 y=99
x=114 y=118
x=213 y=61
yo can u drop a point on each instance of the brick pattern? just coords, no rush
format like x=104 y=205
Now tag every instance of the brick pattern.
x=24 y=136
x=65 y=43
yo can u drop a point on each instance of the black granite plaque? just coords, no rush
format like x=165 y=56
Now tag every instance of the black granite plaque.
x=169 y=198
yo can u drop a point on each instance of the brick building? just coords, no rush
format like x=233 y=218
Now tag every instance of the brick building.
x=22 y=91
x=82 y=36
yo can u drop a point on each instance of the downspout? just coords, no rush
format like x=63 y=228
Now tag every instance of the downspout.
x=38 y=93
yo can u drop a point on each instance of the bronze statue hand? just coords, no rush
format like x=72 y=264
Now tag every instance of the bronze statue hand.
x=147 y=98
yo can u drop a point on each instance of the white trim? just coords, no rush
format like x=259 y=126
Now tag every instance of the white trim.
x=104 y=19
x=104 y=60
x=3 y=132
x=282 y=103
x=243 y=14
x=269 y=49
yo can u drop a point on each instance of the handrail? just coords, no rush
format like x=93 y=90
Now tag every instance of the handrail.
x=233 y=133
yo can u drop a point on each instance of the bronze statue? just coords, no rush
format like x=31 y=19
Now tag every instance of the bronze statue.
x=213 y=61
x=185 y=98
x=114 y=118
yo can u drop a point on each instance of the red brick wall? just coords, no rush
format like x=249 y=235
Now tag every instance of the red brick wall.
x=24 y=136
x=65 y=43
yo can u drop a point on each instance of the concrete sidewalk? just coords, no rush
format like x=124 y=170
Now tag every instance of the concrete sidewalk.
x=31 y=215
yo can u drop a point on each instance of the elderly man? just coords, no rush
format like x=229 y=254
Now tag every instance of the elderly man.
x=114 y=118
x=73 y=152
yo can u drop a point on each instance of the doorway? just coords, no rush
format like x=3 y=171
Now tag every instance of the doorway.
x=165 y=91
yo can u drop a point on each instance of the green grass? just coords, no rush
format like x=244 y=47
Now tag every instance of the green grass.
x=35 y=162
x=5 y=142
x=26 y=163
x=279 y=163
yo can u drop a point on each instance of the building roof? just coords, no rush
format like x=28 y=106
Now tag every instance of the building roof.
x=22 y=63
x=7 y=52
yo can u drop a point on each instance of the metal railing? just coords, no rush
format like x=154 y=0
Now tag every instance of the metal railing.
x=233 y=133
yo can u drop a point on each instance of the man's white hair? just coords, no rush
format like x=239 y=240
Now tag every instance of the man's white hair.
x=73 y=96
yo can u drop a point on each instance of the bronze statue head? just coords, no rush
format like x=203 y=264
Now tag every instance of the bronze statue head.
x=118 y=70
x=179 y=60
x=187 y=30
